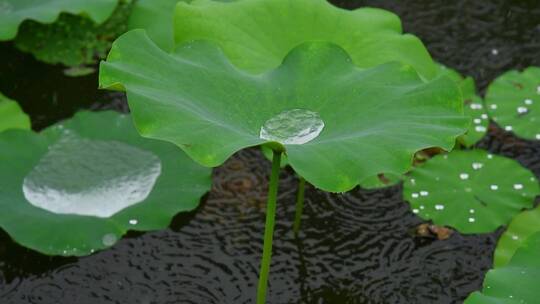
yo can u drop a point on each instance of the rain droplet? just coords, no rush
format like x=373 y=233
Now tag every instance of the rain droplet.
x=91 y=177
x=518 y=186
x=472 y=219
x=528 y=101
x=522 y=110
x=439 y=207
x=484 y=116
x=292 y=127
x=471 y=211
x=494 y=52
x=464 y=176
x=477 y=121
x=477 y=166
x=508 y=128
x=424 y=193
x=493 y=187
x=480 y=129
x=515 y=237
x=414 y=195
x=537 y=136
x=421 y=207
x=538 y=90
x=415 y=210
x=490 y=156
x=133 y=222
x=413 y=181
x=493 y=106
x=109 y=239
x=476 y=106
x=468 y=189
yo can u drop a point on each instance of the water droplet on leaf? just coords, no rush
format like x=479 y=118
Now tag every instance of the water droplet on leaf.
x=292 y=127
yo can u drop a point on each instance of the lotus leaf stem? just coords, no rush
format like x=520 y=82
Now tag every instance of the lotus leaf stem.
x=299 y=204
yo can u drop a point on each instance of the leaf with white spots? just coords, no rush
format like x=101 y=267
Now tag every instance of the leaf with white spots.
x=478 y=191
x=516 y=282
x=513 y=102
x=522 y=226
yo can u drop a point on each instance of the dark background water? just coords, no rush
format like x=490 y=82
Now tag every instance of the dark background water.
x=358 y=247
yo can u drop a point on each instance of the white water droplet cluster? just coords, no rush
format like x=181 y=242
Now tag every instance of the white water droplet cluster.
x=464 y=176
x=292 y=127
x=91 y=177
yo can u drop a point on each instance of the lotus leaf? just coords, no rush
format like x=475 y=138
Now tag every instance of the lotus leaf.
x=11 y=115
x=370 y=120
x=472 y=191
x=522 y=226
x=257 y=34
x=516 y=282
x=95 y=176
x=72 y=40
x=156 y=17
x=14 y=12
x=513 y=102
x=473 y=106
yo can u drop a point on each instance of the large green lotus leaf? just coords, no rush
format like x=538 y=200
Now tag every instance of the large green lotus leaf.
x=14 y=12
x=513 y=102
x=522 y=226
x=72 y=40
x=517 y=282
x=472 y=191
x=80 y=185
x=473 y=106
x=380 y=181
x=367 y=120
x=257 y=34
x=12 y=116
x=156 y=17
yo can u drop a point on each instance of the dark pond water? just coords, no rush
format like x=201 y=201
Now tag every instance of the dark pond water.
x=353 y=248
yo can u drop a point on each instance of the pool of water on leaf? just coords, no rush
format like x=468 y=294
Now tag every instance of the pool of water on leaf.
x=357 y=247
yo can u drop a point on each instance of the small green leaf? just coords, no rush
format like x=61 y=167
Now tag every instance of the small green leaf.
x=14 y=12
x=516 y=282
x=472 y=191
x=95 y=176
x=522 y=226
x=513 y=102
x=72 y=40
x=346 y=123
x=12 y=116
x=256 y=35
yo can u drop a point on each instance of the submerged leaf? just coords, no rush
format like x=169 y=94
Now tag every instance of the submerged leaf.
x=516 y=282
x=371 y=120
x=14 y=12
x=72 y=40
x=95 y=175
x=513 y=102
x=522 y=226
x=472 y=191
x=257 y=34
x=12 y=116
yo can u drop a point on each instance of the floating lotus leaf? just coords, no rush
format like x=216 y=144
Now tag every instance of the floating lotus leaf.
x=257 y=34
x=513 y=102
x=156 y=17
x=522 y=226
x=80 y=185
x=12 y=116
x=515 y=283
x=14 y=12
x=338 y=123
x=472 y=191
x=72 y=39
x=380 y=181
x=474 y=106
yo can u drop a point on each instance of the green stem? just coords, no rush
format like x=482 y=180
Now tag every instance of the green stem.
x=299 y=204
x=269 y=229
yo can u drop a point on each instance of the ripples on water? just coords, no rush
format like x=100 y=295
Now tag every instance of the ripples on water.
x=353 y=248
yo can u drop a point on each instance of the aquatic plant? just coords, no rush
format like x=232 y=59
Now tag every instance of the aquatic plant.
x=472 y=191
x=513 y=102
x=14 y=12
x=95 y=175
x=522 y=226
x=517 y=281
x=11 y=115
x=337 y=123
x=156 y=17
